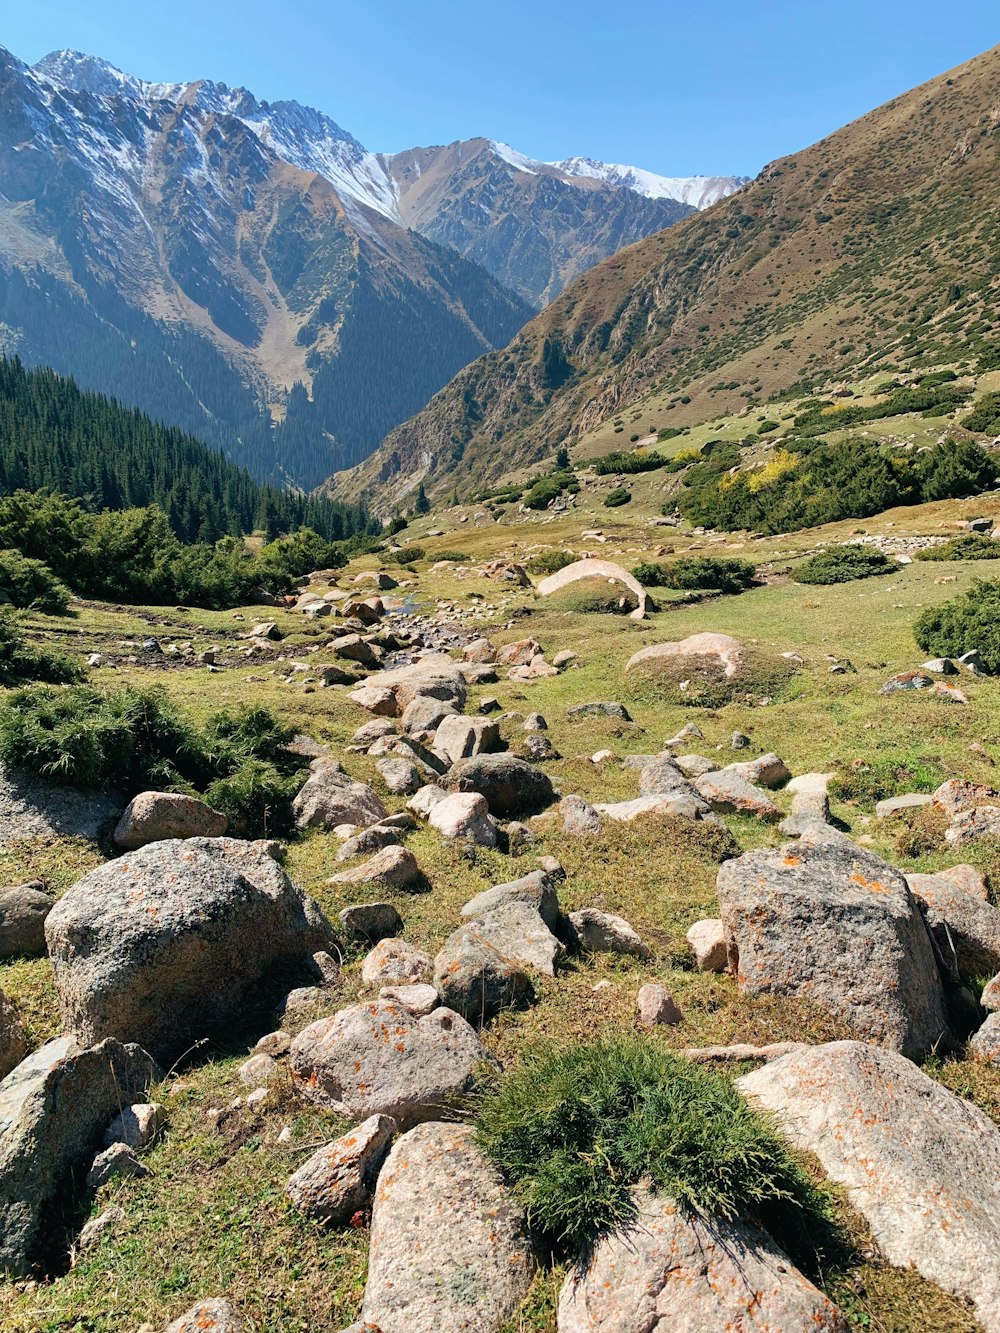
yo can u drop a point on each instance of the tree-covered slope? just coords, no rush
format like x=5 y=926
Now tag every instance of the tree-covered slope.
x=874 y=248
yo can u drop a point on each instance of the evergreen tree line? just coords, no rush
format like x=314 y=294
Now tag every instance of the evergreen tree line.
x=54 y=436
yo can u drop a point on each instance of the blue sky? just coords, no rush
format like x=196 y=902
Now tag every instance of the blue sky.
x=676 y=88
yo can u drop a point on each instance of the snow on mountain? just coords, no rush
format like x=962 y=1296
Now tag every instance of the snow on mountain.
x=698 y=191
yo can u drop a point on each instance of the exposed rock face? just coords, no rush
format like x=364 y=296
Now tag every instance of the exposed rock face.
x=671 y=1269
x=170 y=941
x=339 y=1177
x=921 y=1165
x=824 y=919
x=468 y=1260
x=155 y=816
x=596 y=569
x=378 y=1059
x=22 y=921
x=965 y=926
x=54 y=1108
x=329 y=798
x=728 y=650
x=510 y=785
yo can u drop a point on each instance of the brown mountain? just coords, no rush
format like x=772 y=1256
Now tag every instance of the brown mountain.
x=876 y=247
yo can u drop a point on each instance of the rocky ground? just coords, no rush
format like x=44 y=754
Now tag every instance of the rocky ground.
x=239 y=1075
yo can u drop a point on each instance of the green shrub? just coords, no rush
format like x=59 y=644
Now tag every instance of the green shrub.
x=31 y=584
x=638 y=460
x=966 y=622
x=618 y=497
x=842 y=564
x=968 y=546
x=406 y=555
x=134 y=740
x=550 y=562
x=458 y=556
x=21 y=661
x=573 y=1128
x=985 y=415
x=707 y=573
x=544 y=490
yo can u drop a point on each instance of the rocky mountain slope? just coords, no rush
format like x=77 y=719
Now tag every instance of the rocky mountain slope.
x=221 y=264
x=872 y=249
x=537 y=225
x=244 y=270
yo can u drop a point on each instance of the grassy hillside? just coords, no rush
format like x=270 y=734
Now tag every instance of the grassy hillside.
x=873 y=251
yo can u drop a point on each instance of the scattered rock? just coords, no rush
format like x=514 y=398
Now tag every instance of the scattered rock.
x=895 y=806
x=905 y=681
x=676 y=805
x=510 y=785
x=810 y=810
x=730 y=794
x=463 y=816
x=136 y=1126
x=338 y=1178
x=417 y=998
x=22 y=921
x=728 y=650
x=33 y=808
x=433 y=677
x=462 y=737
x=957 y=795
x=377 y=1059
x=393 y=869
x=536 y=889
x=767 y=771
x=537 y=749
x=579 y=818
x=476 y=978
x=394 y=960
x=675 y=1268
x=329 y=797
x=259 y=1071
x=401 y=777
x=214 y=1316
x=54 y=1108
x=155 y=816
x=971 y=825
x=371 y=839
x=468 y=1269
x=370 y=732
x=921 y=1165
x=654 y=1005
x=424 y=715
x=662 y=777
x=601 y=932
x=114 y=1163
x=965 y=926
x=169 y=942
x=371 y=921
x=824 y=919
x=96 y=1228
x=600 y=708
x=696 y=765
x=708 y=944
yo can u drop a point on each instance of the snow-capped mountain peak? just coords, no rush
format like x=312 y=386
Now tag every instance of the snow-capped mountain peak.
x=698 y=191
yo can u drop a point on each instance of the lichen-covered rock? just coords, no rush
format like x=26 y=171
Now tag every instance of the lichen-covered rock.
x=729 y=793
x=338 y=1178
x=579 y=818
x=395 y=960
x=54 y=1107
x=330 y=798
x=920 y=1164
x=824 y=919
x=378 y=1059
x=675 y=1269
x=214 y=1316
x=510 y=785
x=965 y=926
x=476 y=978
x=167 y=943
x=13 y=1037
x=155 y=816
x=449 y=1249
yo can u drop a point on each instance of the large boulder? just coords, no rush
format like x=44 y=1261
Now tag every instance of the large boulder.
x=729 y=793
x=13 y=1037
x=54 y=1108
x=510 y=785
x=590 y=568
x=672 y=1268
x=22 y=921
x=475 y=975
x=155 y=816
x=449 y=1251
x=965 y=926
x=823 y=919
x=433 y=677
x=339 y=1177
x=31 y=807
x=461 y=816
x=727 y=650
x=460 y=737
x=921 y=1165
x=330 y=798
x=172 y=941
x=536 y=889
x=379 y=1059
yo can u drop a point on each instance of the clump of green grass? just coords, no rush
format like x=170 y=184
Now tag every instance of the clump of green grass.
x=458 y=557
x=843 y=564
x=700 y=681
x=699 y=573
x=134 y=740
x=21 y=661
x=573 y=1128
x=406 y=555
x=595 y=596
x=968 y=546
x=549 y=562
x=867 y=781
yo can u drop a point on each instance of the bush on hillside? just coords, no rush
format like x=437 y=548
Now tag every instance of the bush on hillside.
x=406 y=555
x=968 y=546
x=700 y=573
x=985 y=415
x=30 y=584
x=458 y=557
x=966 y=622
x=573 y=1128
x=618 y=497
x=22 y=662
x=544 y=490
x=636 y=460
x=134 y=740
x=843 y=564
x=550 y=562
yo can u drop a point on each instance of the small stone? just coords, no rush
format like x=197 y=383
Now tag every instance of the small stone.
x=740 y=741
x=602 y=932
x=534 y=722
x=371 y=921
x=256 y=1099
x=489 y=705
x=274 y=1044
x=895 y=806
x=395 y=960
x=338 y=1178
x=137 y=1126
x=655 y=1005
x=708 y=944
x=111 y=1163
x=325 y=968
x=259 y=1069
x=216 y=1316
x=95 y=1229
